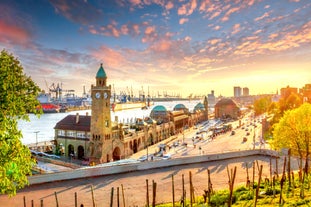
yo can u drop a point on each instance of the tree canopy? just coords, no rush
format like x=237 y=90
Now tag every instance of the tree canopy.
x=17 y=98
x=293 y=131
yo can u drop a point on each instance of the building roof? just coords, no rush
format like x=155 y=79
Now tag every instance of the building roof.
x=179 y=106
x=101 y=72
x=70 y=123
x=159 y=108
x=199 y=106
x=225 y=101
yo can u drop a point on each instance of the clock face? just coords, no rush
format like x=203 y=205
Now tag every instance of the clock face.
x=97 y=95
x=105 y=95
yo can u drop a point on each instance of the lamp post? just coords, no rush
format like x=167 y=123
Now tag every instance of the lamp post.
x=112 y=141
x=36 y=132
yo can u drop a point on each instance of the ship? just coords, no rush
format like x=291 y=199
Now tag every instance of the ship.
x=126 y=102
x=55 y=101
x=46 y=105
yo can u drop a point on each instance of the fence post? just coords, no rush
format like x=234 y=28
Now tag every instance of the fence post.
x=93 y=198
x=173 y=191
x=56 y=199
x=147 y=193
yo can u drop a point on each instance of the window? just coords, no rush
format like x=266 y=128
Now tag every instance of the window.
x=80 y=134
x=71 y=133
x=61 y=133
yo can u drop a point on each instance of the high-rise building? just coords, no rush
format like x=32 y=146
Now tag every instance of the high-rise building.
x=245 y=91
x=211 y=99
x=237 y=91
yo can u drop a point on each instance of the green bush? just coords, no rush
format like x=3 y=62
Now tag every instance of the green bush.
x=220 y=198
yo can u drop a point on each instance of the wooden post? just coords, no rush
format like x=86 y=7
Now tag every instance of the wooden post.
x=183 y=191
x=123 y=195
x=231 y=184
x=118 y=199
x=32 y=203
x=173 y=191
x=154 y=193
x=55 y=194
x=111 y=197
x=24 y=201
x=289 y=168
x=41 y=203
x=76 y=199
x=253 y=175
x=209 y=186
x=282 y=181
x=277 y=167
x=270 y=170
x=147 y=194
x=247 y=176
x=93 y=198
x=258 y=185
x=190 y=188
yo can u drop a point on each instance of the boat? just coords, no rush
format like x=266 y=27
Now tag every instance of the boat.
x=60 y=102
x=118 y=106
x=126 y=102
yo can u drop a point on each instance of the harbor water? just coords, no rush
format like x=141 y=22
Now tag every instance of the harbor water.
x=42 y=129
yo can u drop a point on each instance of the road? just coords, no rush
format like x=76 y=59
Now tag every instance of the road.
x=134 y=183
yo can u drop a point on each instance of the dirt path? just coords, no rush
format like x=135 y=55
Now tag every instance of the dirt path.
x=134 y=185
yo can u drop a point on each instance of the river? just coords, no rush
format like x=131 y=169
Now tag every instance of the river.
x=42 y=129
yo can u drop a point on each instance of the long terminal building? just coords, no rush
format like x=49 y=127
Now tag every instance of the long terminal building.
x=99 y=139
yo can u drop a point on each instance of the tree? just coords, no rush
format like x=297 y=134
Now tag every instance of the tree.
x=294 y=132
x=262 y=105
x=17 y=98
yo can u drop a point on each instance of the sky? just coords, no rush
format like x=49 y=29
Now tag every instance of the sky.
x=173 y=47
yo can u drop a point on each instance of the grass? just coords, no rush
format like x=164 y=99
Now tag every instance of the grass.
x=269 y=196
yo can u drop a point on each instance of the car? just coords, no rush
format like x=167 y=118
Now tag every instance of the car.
x=247 y=133
x=166 y=157
x=143 y=158
x=244 y=139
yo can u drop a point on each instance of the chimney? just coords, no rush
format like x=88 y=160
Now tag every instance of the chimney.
x=77 y=118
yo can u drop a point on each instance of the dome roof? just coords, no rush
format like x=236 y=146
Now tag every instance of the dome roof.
x=226 y=101
x=159 y=108
x=101 y=72
x=199 y=106
x=179 y=106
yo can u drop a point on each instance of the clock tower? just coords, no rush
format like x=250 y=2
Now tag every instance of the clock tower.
x=100 y=140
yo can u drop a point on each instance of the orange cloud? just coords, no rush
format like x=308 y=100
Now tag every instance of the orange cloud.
x=183 y=20
x=11 y=33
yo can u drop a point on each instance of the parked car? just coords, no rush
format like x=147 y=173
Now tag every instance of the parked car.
x=166 y=157
x=143 y=158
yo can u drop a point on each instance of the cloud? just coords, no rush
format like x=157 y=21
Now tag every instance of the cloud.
x=15 y=27
x=78 y=11
x=188 y=8
x=265 y=15
x=183 y=20
x=11 y=34
x=150 y=34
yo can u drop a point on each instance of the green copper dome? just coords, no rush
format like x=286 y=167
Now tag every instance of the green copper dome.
x=101 y=72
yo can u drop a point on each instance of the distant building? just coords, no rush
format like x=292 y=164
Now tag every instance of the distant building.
x=237 y=91
x=285 y=92
x=227 y=108
x=306 y=93
x=245 y=91
x=211 y=99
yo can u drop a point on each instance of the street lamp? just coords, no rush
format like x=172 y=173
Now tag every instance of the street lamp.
x=36 y=132
x=112 y=141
